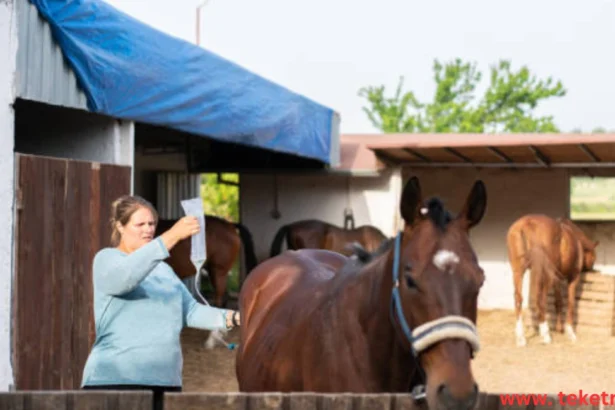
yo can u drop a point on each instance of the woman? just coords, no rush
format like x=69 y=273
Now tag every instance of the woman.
x=141 y=306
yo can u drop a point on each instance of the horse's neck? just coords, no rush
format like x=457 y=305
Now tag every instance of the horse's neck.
x=371 y=292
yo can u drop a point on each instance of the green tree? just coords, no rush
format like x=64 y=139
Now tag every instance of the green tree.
x=220 y=199
x=506 y=106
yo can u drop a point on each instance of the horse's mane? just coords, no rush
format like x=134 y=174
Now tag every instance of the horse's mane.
x=577 y=232
x=439 y=215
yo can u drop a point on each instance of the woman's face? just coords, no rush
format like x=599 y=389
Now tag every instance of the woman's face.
x=138 y=231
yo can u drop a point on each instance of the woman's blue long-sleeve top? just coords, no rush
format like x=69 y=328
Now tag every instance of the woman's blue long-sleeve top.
x=140 y=308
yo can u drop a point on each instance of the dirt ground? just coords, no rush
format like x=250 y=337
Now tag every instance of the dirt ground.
x=500 y=366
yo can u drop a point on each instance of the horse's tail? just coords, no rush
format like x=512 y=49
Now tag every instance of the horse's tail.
x=276 y=245
x=248 y=247
x=518 y=255
x=534 y=257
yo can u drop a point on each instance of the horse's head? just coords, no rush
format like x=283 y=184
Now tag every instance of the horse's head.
x=438 y=283
x=589 y=246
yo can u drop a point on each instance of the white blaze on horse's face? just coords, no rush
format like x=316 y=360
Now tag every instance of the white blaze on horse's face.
x=445 y=260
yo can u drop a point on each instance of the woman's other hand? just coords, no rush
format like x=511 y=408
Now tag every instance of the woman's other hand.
x=233 y=318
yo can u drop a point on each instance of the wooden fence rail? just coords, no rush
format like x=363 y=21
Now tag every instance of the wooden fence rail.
x=128 y=400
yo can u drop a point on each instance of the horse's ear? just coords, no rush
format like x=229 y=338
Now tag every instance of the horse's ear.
x=474 y=208
x=411 y=199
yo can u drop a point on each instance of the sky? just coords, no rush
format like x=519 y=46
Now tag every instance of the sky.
x=328 y=49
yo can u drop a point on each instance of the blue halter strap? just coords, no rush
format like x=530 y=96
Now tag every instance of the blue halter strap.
x=397 y=298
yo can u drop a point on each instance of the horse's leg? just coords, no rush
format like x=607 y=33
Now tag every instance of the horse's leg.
x=518 y=263
x=557 y=294
x=218 y=281
x=542 y=290
x=519 y=328
x=572 y=301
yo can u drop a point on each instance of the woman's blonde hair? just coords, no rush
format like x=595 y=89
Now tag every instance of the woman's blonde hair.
x=121 y=211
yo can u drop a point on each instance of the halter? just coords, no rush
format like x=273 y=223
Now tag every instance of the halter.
x=424 y=336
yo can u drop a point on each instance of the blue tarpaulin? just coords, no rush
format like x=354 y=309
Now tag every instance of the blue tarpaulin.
x=129 y=70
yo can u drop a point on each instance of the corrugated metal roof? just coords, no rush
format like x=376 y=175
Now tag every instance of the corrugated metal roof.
x=42 y=73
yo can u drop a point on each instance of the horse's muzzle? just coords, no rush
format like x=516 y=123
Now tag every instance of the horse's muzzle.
x=446 y=400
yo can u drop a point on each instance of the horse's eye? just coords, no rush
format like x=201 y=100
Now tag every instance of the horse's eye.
x=410 y=281
x=407 y=271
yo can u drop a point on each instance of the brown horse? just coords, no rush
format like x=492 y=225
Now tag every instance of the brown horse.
x=311 y=324
x=553 y=250
x=315 y=234
x=222 y=244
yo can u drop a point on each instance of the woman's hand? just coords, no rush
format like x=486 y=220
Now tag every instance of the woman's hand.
x=233 y=318
x=184 y=228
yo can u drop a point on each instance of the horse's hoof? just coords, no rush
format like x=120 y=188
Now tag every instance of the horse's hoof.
x=570 y=333
x=521 y=341
x=210 y=343
x=546 y=339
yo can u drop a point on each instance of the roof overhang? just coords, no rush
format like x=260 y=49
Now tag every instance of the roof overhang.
x=480 y=150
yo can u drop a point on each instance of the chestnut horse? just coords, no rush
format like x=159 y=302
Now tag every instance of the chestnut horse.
x=404 y=319
x=315 y=234
x=553 y=250
x=222 y=245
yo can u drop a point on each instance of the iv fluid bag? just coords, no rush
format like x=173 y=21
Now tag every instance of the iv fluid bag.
x=198 y=251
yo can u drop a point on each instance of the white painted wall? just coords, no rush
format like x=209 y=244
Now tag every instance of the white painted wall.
x=74 y=134
x=373 y=200
x=8 y=58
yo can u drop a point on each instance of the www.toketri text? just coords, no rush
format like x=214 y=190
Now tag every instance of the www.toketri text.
x=565 y=399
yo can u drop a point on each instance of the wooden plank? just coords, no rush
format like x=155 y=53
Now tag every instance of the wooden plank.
x=52 y=400
x=12 y=400
x=137 y=400
x=303 y=401
x=587 y=294
x=336 y=401
x=488 y=401
x=198 y=401
x=80 y=269
x=95 y=400
x=587 y=305
x=266 y=401
x=372 y=401
x=405 y=401
x=110 y=400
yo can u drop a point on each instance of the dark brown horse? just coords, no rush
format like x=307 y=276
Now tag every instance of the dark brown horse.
x=403 y=318
x=315 y=234
x=553 y=250
x=222 y=244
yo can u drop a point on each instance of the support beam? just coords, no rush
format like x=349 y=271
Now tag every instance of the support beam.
x=417 y=154
x=589 y=153
x=540 y=156
x=458 y=154
x=387 y=159
x=500 y=154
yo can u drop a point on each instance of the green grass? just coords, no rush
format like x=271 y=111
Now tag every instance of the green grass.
x=592 y=216
x=592 y=198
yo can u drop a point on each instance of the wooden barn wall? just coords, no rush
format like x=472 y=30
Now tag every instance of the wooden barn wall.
x=62 y=214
